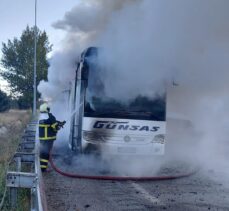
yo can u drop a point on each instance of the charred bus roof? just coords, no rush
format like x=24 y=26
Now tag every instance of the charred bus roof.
x=91 y=51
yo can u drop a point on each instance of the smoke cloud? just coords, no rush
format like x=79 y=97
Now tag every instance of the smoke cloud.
x=148 y=44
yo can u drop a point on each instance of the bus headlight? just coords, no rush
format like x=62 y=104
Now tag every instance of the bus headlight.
x=160 y=139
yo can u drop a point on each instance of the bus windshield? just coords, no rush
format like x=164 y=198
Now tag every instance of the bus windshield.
x=139 y=108
x=98 y=105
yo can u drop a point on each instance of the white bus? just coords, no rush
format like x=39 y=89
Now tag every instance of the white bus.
x=104 y=124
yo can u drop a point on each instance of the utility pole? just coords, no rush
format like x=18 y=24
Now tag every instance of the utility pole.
x=35 y=64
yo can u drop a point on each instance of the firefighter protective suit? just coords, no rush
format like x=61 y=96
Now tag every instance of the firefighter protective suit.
x=48 y=128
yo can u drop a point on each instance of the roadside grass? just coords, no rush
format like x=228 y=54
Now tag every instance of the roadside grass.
x=14 y=121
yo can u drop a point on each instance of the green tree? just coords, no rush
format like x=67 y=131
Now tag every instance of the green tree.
x=4 y=101
x=18 y=63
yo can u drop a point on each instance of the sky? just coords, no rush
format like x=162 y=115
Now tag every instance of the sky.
x=15 y=15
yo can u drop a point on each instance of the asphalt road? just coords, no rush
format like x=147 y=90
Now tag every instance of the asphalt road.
x=201 y=191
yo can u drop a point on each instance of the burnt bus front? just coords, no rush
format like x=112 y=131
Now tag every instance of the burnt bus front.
x=110 y=126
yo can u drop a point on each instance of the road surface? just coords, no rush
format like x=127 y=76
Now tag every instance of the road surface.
x=201 y=191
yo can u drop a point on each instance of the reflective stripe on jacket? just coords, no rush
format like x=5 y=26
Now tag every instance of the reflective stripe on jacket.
x=47 y=127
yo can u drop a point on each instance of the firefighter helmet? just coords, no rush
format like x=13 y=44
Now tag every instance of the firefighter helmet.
x=44 y=108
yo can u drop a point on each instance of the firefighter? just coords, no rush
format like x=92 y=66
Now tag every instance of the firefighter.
x=48 y=128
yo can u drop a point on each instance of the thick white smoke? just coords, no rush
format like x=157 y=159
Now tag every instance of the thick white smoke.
x=149 y=43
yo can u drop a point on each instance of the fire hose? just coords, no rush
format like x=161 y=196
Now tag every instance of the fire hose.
x=119 y=178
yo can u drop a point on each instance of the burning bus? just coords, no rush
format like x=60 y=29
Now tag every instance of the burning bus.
x=106 y=125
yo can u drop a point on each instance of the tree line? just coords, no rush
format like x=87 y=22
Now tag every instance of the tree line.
x=17 y=67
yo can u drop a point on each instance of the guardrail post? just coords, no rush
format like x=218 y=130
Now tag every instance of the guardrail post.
x=13 y=197
x=33 y=200
x=13 y=191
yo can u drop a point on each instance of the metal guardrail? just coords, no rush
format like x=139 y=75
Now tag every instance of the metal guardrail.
x=27 y=153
